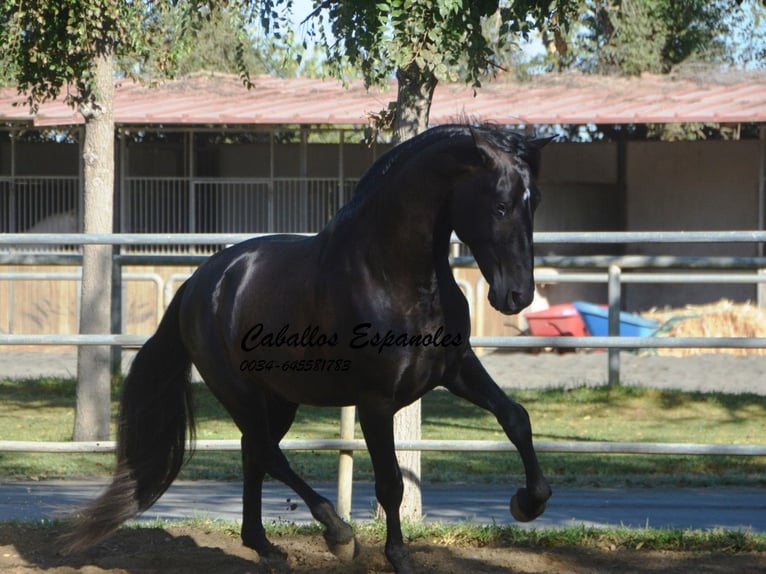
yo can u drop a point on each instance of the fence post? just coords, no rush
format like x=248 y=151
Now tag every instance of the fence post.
x=116 y=313
x=613 y=296
x=346 y=463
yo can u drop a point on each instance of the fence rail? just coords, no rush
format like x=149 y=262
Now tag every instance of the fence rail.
x=589 y=447
x=611 y=342
x=525 y=342
x=543 y=237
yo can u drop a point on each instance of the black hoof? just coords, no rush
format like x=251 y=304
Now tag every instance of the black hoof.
x=522 y=507
x=264 y=548
x=399 y=558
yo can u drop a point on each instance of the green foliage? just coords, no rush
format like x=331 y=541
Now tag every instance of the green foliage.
x=445 y=38
x=635 y=36
x=226 y=43
x=49 y=47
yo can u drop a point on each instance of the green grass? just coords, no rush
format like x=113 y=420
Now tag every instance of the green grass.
x=469 y=534
x=44 y=410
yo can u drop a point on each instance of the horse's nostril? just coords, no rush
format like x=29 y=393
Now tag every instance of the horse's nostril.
x=518 y=298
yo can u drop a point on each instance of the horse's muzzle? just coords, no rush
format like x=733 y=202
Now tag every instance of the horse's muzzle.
x=509 y=302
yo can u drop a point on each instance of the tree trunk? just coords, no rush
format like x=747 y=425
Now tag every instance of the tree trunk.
x=413 y=105
x=93 y=411
x=413 y=102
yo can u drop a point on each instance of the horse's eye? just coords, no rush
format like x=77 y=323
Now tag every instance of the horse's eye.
x=501 y=209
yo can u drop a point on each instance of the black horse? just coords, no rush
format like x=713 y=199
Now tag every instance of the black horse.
x=365 y=313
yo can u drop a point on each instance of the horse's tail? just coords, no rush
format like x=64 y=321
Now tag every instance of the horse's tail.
x=155 y=414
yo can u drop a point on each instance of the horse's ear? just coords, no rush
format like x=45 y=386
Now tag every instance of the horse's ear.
x=487 y=150
x=540 y=143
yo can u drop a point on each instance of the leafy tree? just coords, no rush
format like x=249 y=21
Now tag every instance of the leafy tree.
x=423 y=42
x=226 y=41
x=69 y=46
x=635 y=36
x=746 y=38
x=68 y=49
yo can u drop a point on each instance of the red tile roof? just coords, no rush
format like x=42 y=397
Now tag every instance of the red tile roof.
x=552 y=99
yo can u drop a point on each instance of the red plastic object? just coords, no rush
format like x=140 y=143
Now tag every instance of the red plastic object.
x=558 y=320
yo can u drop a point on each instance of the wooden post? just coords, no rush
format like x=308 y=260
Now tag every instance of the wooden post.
x=346 y=464
x=407 y=427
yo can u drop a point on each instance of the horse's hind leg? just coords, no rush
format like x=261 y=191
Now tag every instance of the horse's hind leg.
x=378 y=428
x=477 y=386
x=253 y=534
x=260 y=455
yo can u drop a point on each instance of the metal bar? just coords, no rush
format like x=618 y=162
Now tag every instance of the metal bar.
x=593 y=447
x=540 y=238
x=598 y=262
x=545 y=276
x=124 y=340
x=621 y=342
x=496 y=342
x=761 y=291
x=723 y=262
x=130 y=238
x=613 y=319
x=743 y=236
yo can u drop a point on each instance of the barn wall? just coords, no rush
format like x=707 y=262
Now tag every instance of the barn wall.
x=687 y=186
x=668 y=186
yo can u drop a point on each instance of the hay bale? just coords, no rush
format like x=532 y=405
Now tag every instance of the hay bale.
x=721 y=319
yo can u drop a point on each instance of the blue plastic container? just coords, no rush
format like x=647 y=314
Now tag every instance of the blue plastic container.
x=596 y=319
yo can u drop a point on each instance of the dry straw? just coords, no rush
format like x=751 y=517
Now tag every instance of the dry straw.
x=721 y=319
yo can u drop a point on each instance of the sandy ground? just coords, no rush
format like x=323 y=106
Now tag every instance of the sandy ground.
x=181 y=550
x=706 y=372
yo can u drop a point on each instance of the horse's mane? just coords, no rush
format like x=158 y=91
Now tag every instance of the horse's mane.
x=500 y=138
x=389 y=160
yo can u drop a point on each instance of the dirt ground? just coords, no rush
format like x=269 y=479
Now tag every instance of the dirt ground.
x=183 y=550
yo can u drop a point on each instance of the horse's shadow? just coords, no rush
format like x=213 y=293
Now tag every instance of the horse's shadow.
x=134 y=550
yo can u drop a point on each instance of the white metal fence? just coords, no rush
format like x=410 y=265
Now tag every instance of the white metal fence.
x=39 y=204
x=612 y=342
x=227 y=205
x=177 y=205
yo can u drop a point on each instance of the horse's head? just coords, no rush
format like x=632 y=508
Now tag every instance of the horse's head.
x=492 y=210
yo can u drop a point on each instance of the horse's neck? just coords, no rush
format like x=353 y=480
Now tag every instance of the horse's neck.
x=399 y=233
x=398 y=223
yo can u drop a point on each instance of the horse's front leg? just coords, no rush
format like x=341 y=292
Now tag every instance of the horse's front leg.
x=476 y=385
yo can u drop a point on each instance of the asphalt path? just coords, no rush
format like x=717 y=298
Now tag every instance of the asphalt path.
x=705 y=373
x=742 y=509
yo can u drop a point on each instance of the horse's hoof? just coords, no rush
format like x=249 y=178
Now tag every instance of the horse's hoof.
x=266 y=550
x=521 y=508
x=399 y=557
x=345 y=552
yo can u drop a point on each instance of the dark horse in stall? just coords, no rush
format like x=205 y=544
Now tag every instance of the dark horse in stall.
x=365 y=313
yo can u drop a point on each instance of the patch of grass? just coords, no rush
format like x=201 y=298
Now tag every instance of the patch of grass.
x=43 y=409
x=604 y=538
x=494 y=535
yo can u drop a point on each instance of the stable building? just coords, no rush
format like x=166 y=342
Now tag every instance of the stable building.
x=206 y=155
